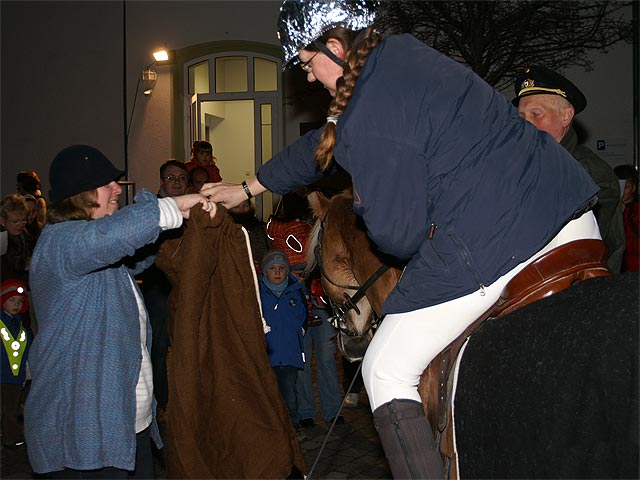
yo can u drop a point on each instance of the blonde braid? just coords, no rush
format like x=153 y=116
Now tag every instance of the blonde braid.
x=344 y=90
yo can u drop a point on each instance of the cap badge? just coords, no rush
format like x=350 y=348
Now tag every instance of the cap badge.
x=528 y=83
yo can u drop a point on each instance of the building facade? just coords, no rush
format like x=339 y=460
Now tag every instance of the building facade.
x=77 y=72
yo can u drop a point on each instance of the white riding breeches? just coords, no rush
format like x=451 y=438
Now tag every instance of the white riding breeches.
x=405 y=343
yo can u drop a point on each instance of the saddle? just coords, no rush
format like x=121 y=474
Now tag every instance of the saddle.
x=553 y=272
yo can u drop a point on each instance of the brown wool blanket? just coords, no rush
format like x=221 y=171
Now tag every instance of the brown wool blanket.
x=225 y=416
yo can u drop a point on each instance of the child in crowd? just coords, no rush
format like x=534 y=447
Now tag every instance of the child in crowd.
x=285 y=311
x=202 y=156
x=13 y=219
x=198 y=176
x=16 y=339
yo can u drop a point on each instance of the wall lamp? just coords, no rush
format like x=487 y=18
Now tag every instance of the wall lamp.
x=164 y=57
x=149 y=77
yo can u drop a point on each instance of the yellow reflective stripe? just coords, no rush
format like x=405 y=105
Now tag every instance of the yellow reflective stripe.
x=15 y=361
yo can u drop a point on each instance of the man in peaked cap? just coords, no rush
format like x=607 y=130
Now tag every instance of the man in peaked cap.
x=550 y=101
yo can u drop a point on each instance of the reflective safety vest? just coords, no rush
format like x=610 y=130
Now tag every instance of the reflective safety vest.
x=15 y=347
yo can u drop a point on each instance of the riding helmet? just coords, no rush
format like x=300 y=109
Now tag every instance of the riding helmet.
x=301 y=22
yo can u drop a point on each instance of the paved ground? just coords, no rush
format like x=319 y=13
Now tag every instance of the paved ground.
x=352 y=450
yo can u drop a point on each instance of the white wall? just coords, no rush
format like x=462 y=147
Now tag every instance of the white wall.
x=179 y=25
x=62 y=80
x=62 y=65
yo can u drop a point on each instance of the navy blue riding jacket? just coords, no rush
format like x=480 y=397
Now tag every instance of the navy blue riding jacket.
x=445 y=173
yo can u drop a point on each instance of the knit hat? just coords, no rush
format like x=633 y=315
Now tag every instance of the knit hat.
x=13 y=287
x=79 y=168
x=273 y=257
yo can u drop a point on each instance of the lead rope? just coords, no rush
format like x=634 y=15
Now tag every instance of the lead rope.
x=335 y=419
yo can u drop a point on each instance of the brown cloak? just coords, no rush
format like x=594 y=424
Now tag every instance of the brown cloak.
x=225 y=417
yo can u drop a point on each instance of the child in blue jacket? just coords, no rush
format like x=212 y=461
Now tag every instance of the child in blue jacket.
x=16 y=340
x=285 y=311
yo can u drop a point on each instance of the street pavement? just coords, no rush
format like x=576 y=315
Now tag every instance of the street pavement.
x=351 y=450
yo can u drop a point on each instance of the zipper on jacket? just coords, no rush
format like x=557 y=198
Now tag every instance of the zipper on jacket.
x=430 y=233
x=467 y=260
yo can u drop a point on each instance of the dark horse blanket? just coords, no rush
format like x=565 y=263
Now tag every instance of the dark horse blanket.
x=225 y=416
x=551 y=390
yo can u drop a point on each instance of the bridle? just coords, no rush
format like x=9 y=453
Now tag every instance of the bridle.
x=350 y=303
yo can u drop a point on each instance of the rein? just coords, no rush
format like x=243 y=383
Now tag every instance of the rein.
x=350 y=303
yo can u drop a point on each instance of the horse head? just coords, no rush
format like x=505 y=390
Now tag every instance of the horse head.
x=356 y=278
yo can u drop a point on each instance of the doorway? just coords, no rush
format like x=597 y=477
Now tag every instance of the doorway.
x=235 y=104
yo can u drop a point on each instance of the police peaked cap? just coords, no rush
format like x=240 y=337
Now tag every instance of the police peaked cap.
x=540 y=80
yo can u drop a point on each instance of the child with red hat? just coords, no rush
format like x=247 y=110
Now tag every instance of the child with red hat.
x=16 y=339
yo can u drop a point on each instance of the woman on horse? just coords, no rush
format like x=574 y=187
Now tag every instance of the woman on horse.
x=445 y=174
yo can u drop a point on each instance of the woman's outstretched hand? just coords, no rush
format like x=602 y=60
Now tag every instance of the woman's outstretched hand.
x=225 y=193
x=232 y=194
x=186 y=202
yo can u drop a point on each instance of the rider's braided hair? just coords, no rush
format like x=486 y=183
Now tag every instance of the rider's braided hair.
x=345 y=85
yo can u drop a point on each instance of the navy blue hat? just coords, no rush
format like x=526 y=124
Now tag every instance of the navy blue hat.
x=79 y=168
x=540 y=80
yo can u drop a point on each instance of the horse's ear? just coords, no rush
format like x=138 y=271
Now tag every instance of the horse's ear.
x=318 y=203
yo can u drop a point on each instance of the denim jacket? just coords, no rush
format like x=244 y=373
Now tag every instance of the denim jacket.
x=85 y=360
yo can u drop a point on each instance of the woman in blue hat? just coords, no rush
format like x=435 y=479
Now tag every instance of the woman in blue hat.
x=445 y=175
x=90 y=410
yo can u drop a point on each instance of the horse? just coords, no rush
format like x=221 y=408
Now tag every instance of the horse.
x=587 y=425
x=371 y=274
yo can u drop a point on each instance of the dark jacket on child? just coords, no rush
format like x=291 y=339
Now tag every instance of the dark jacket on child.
x=15 y=328
x=285 y=315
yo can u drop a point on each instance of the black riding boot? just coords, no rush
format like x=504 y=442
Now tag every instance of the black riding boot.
x=407 y=440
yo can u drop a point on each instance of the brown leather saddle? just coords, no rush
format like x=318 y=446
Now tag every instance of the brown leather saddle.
x=553 y=272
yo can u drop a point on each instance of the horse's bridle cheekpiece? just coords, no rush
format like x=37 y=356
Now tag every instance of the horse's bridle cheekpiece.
x=350 y=303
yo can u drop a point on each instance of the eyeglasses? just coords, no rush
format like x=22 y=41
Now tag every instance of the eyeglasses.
x=174 y=179
x=305 y=65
